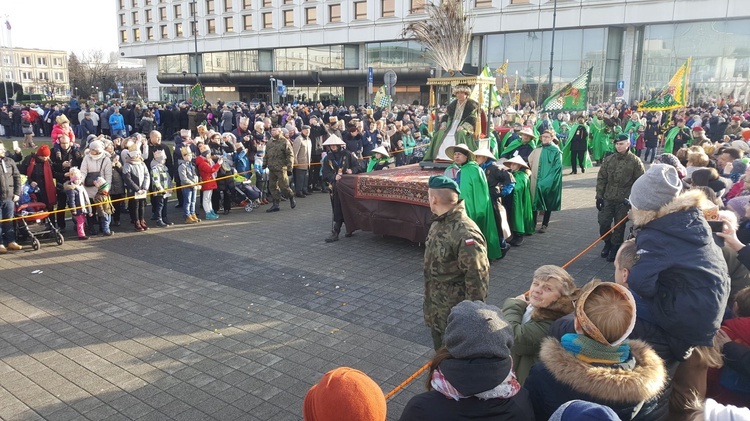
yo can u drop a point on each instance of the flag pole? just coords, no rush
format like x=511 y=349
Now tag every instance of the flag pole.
x=2 y=67
x=552 y=47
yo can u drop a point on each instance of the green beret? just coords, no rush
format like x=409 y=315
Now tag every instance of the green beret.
x=443 y=182
x=621 y=137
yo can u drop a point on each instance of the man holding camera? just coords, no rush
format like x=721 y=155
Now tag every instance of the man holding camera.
x=616 y=177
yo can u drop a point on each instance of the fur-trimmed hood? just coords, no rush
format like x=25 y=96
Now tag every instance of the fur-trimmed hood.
x=607 y=384
x=685 y=201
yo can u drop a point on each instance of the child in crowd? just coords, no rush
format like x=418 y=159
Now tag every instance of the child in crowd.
x=550 y=297
x=207 y=169
x=520 y=215
x=103 y=202
x=137 y=179
x=160 y=185
x=188 y=176
x=79 y=202
x=28 y=192
x=261 y=180
x=731 y=383
x=344 y=394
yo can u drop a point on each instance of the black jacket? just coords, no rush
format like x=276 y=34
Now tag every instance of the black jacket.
x=10 y=179
x=58 y=156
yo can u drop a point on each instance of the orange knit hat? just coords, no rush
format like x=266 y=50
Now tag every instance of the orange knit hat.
x=746 y=134
x=345 y=394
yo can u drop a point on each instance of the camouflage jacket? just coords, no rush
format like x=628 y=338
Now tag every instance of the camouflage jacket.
x=279 y=154
x=456 y=267
x=617 y=175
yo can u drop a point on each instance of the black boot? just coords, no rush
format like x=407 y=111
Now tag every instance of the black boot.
x=334 y=237
x=606 y=249
x=612 y=254
x=275 y=207
x=292 y=202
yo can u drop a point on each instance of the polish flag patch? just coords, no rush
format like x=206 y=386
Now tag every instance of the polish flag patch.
x=469 y=242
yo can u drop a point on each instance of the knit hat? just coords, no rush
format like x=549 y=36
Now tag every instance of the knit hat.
x=578 y=410
x=738 y=166
x=737 y=205
x=43 y=151
x=97 y=145
x=90 y=137
x=655 y=188
x=741 y=145
x=477 y=330
x=344 y=394
x=101 y=184
x=746 y=134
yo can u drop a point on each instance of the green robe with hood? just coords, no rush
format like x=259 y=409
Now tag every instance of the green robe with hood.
x=566 y=149
x=476 y=196
x=523 y=217
x=546 y=178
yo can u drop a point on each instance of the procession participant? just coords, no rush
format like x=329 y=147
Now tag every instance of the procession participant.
x=546 y=179
x=279 y=160
x=521 y=146
x=576 y=149
x=677 y=137
x=456 y=126
x=501 y=184
x=380 y=159
x=337 y=163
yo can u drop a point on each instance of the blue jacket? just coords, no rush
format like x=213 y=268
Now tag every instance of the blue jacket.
x=116 y=122
x=680 y=273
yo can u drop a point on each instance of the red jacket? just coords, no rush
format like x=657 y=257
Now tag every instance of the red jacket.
x=206 y=172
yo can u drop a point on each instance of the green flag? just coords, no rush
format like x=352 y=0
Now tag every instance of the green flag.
x=197 y=99
x=572 y=97
x=672 y=96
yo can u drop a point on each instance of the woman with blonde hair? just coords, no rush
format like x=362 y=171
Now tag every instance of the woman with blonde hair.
x=531 y=314
x=598 y=363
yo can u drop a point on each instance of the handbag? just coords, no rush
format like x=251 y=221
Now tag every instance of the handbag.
x=92 y=176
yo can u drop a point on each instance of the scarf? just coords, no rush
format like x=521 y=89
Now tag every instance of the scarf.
x=593 y=352
x=83 y=198
x=50 y=191
x=505 y=390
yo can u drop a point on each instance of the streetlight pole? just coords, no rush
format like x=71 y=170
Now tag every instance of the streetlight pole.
x=195 y=37
x=143 y=84
x=272 y=94
x=552 y=48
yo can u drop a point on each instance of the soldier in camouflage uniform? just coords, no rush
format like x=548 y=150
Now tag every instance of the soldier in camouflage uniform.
x=456 y=266
x=279 y=159
x=616 y=177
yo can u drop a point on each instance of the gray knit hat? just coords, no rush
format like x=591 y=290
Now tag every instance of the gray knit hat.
x=657 y=187
x=477 y=330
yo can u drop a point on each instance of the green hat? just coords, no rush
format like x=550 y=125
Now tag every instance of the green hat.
x=621 y=137
x=443 y=182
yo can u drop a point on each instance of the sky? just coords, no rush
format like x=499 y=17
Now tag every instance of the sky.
x=69 y=25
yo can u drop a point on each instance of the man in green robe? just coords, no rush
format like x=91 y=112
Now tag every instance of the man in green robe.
x=523 y=145
x=677 y=137
x=575 y=151
x=520 y=215
x=546 y=179
x=600 y=139
x=456 y=126
x=475 y=194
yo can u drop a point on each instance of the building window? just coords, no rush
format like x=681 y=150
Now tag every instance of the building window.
x=178 y=30
x=123 y=39
x=519 y=1
x=488 y=3
x=334 y=13
x=288 y=17
x=267 y=20
x=267 y=3
x=136 y=34
x=247 y=22
x=360 y=10
x=311 y=16
x=417 y=6
x=211 y=24
x=227 y=5
x=150 y=33
x=163 y=31
x=162 y=14
x=122 y=4
x=209 y=7
x=247 y=4
x=192 y=9
x=27 y=59
x=135 y=3
x=288 y=1
x=26 y=75
x=389 y=8
x=57 y=62
x=178 y=11
x=229 y=24
x=59 y=76
x=135 y=18
x=42 y=61
x=43 y=76
x=148 y=15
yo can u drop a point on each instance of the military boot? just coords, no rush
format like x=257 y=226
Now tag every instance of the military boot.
x=612 y=254
x=275 y=207
x=292 y=202
x=334 y=237
x=606 y=249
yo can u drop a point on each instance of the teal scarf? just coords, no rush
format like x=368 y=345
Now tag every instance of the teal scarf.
x=593 y=352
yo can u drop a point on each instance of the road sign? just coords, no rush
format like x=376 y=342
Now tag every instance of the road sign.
x=620 y=92
x=279 y=82
x=390 y=78
x=281 y=90
x=620 y=84
x=369 y=75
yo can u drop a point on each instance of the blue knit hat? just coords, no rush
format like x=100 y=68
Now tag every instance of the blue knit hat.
x=584 y=411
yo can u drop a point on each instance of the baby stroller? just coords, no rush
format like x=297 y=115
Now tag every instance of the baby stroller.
x=33 y=222
x=245 y=194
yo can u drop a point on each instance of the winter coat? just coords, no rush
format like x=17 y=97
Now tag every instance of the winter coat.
x=528 y=336
x=87 y=128
x=302 y=153
x=10 y=179
x=57 y=130
x=136 y=176
x=279 y=155
x=468 y=375
x=617 y=175
x=680 y=272
x=58 y=156
x=117 y=186
x=147 y=124
x=116 y=122
x=77 y=200
x=160 y=180
x=187 y=172
x=629 y=388
x=207 y=170
x=103 y=166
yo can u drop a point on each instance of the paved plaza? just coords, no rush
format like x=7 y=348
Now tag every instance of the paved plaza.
x=235 y=319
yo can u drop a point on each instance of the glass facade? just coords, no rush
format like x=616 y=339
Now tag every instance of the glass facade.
x=721 y=58
x=397 y=54
x=309 y=58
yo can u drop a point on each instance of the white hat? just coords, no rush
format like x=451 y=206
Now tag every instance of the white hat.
x=334 y=140
x=485 y=152
x=381 y=150
x=528 y=131
x=510 y=110
x=461 y=147
x=516 y=160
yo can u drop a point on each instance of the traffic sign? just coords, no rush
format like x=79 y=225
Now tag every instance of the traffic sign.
x=620 y=84
x=620 y=92
x=390 y=78
x=369 y=75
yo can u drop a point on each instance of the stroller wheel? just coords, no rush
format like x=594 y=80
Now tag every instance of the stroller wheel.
x=249 y=208
x=35 y=244
x=60 y=239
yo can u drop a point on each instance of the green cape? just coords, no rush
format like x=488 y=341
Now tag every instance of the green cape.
x=546 y=189
x=669 y=139
x=523 y=217
x=373 y=162
x=508 y=151
x=566 y=149
x=599 y=138
x=476 y=196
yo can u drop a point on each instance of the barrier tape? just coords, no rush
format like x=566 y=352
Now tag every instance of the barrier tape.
x=427 y=365
x=175 y=188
